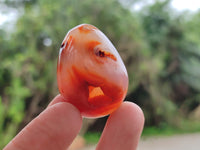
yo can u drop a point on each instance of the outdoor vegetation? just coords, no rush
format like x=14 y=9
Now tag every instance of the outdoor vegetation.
x=160 y=48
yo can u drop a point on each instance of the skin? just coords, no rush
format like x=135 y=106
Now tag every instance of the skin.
x=91 y=87
x=90 y=67
x=57 y=126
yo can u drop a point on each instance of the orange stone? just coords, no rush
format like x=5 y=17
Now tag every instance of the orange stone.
x=91 y=74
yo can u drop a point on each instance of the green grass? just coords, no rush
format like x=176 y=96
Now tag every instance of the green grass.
x=186 y=126
x=92 y=137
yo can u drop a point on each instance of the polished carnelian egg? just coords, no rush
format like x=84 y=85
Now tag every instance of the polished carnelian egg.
x=91 y=75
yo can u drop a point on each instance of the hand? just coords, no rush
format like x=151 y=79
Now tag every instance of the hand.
x=57 y=126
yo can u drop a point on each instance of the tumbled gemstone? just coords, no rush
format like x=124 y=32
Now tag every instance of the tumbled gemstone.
x=91 y=74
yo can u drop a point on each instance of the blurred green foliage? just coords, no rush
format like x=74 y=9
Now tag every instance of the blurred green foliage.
x=92 y=137
x=159 y=47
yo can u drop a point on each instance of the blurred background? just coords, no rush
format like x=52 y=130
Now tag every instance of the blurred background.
x=159 y=41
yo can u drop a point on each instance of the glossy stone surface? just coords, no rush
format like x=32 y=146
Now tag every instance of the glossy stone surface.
x=90 y=73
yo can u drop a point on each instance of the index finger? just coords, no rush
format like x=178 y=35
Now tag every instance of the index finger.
x=123 y=128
